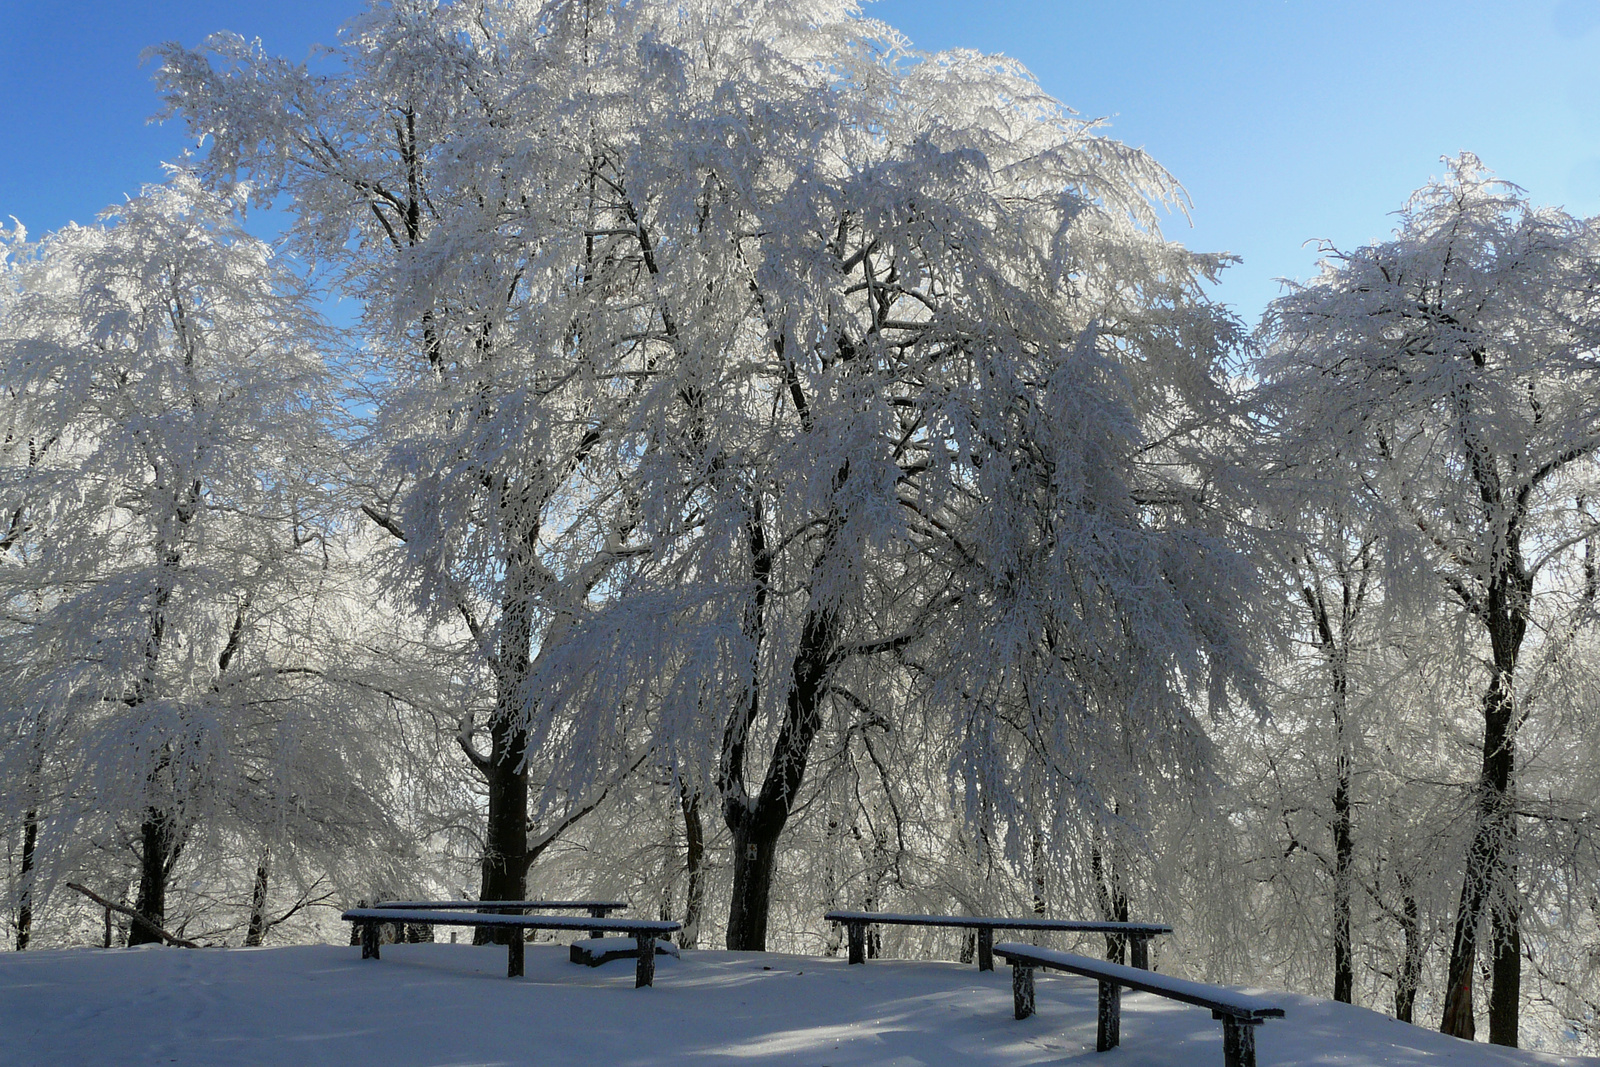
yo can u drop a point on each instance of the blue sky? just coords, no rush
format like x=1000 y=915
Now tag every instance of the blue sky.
x=1287 y=120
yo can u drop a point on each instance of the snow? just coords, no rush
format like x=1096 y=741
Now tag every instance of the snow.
x=599 y=946
x=442 y=1005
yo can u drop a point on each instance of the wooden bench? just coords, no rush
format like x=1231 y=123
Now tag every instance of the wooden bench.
x=1240 y=1013
x=856 y=922
x=598 y=908
x=644 y=931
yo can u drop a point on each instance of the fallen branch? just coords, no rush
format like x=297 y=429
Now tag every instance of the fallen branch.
x=123 y=909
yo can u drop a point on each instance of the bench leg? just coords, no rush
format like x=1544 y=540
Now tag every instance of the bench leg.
x=858 y=942
x=645 y=974
x=1022 y=990
x=514 y=952
x=369 y=940
x=597 y=913
x=1238 y=1040
x=1108 y=1033
x=1140 y=951
x=985 y=948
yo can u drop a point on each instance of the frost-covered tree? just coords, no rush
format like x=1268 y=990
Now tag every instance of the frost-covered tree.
x=437 y=172
x=759 y=378
x=165 y=485
x=1448 y=381
x=921 y=391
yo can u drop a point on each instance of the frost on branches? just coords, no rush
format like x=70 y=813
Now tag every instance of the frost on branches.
x=752 y=381
x=164 y=490
x=1447 y=383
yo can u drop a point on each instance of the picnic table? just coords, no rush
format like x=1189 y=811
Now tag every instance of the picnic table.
x=643 y=931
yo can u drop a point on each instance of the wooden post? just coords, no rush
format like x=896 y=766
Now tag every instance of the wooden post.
x=1140 y=951
x=108 y=928
x=1108 y=1032
x=1022 y=989
x=985 y=948
x=597 y=913
x=645 y=974
x=369 y=939
x=1238 y=1040
x=514 y=952
x=858 y=942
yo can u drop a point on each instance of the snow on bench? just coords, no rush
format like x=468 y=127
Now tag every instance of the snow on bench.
x=598 y=908
x=1240 y=1013
x=593 y=951
x=643 y=931
x=1138 y=934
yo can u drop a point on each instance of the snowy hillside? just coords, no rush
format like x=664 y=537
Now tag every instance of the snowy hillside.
x=441 y=1004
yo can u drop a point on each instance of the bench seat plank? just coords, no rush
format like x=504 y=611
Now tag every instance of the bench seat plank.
x=525 y=905
x=654 y=927
x=1080 y=926
x=1138 y=935
x=1218 y=999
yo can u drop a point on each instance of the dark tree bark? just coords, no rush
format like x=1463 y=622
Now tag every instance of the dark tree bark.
x=1505 y=997
x=1336 y=649
x=505 y=772
x=30 y=845
x=1036 y=862
x=1490 y=862
x=160 y=842
x=757 y=824
x=695 y=861
x=1111 y=896
x=1410 y=976
x=258 y=902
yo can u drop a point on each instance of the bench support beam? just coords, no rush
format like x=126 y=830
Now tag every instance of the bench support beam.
x=1238 y=1040
x=514 y=952
x=985 y=948
x=645 y=973
x=1108 y=1030
x=369 y=940
x=1139 y=951
x=597 y=913
x=1022 y=990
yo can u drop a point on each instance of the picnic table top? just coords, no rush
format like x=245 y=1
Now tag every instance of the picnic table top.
x=528 y=922
x=1217 y=998
x=979 y=921
x=527 y=905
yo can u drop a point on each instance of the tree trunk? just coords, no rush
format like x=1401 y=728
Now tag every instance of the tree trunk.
x=757 y=824
x=258 y=903
x=505 y=845
x=30 y=844
x=755 y=853
x=1335 y=646
x=1111 y=897
x=1505 y=996
x=1036 y=862
x=1343 y=875
x=1410 y=976
x=505 y=839
x=695 y=860
x=1486 y=863
x=158 y=853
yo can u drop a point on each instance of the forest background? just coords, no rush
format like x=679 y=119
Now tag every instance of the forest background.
x=339 y=658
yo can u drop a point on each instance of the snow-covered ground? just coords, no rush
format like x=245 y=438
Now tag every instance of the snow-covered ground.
x=452 y=1005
